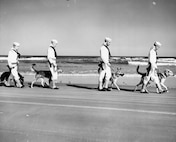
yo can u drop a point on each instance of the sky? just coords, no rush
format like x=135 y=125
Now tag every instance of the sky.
x=80 y=26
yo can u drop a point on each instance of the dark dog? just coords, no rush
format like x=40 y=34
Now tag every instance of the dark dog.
x=114 y=76
x=5 y=76
x=41 y=74
x=162 y=78
x=142 y=77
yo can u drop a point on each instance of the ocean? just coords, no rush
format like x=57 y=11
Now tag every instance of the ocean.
x=89 y=64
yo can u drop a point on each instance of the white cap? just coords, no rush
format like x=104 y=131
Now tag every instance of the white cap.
x=157 y=44
x=54 y=41
x=108 y=39
x=16 y=44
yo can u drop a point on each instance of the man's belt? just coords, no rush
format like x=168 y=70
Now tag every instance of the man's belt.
x=14 y=63
x=50 y=64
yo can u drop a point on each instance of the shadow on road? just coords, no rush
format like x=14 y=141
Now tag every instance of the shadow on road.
x=94 y=87
x=82 y=86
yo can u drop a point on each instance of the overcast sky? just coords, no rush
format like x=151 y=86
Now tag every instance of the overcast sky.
x=80 y=26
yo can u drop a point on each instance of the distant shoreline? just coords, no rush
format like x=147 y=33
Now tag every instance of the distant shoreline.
x=80 y=56
x=89 y=64
x=136 y=60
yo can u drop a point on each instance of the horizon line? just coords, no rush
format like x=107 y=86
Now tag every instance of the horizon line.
x=89 y=56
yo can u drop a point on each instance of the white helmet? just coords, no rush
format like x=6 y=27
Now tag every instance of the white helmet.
x=16 y=44
x=157 y=44
x=108 y=39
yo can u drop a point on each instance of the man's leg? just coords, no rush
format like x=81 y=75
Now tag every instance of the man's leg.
x=54 y=77
x=108 y=76
x=158 y=85
x=54 y=84
x=7 y=82
x=150 y=70
x=19 y=85
x=144 y=85
x=101 y=77
x=16 y=77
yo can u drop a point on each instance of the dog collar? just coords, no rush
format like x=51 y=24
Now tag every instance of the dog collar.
x=164 y=75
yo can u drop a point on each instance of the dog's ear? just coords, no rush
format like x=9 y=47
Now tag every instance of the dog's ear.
x=170 y=73
x=166 y=71
x=122 y=74
x=59 y=70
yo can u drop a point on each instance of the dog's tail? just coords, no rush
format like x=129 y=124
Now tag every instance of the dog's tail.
x=137 y=70
x=33 y=68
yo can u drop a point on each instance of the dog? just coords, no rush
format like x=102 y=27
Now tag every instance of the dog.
x=42 y=74
x=114 y=75
x=5 y=76
x=162 y=78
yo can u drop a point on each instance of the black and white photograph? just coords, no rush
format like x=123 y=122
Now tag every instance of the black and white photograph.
x=87 y=71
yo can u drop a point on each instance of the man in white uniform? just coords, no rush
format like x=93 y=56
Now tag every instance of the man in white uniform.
x=106 y=72
x=152 y=74
x=13 y=62
x=52 y=62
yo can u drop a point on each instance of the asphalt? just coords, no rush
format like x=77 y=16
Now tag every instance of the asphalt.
x=80 y=113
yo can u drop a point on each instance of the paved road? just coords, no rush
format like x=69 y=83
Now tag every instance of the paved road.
x=79 y=113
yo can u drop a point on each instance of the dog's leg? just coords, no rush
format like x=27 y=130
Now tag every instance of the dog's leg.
x=47 y=83
x=164 y=86
x=140 y=83
x=111 y=85
x=32 y=83
x=117 y=87
x=9 y=79
x=42 y=82
x=157 y=89
x=115 y=83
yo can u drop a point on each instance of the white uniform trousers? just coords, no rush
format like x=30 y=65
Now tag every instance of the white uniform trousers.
x=53 y=70
x=15 y=73
x=153 y=76
x=106 y=72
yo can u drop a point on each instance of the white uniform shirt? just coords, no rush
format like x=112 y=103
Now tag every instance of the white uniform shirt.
x=51 y=55
x=12 y=58
x=152 y=57
x=104 y=54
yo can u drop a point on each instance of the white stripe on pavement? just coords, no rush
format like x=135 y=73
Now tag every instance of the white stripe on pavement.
x=91 y=107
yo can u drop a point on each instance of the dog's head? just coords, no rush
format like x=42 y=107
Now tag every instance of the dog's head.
x=118 y=72
x=168 y=72
x=59 y=70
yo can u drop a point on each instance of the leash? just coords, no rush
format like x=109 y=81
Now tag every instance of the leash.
x=113 y=70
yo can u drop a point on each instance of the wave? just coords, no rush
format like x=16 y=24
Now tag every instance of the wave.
x=95 y=59
x=33 y=58
x=160 y=63
x=3 y=58
x=27 y=58
x=83 y=75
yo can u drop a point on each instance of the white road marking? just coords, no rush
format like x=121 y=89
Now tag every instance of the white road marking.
x=91 y=107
